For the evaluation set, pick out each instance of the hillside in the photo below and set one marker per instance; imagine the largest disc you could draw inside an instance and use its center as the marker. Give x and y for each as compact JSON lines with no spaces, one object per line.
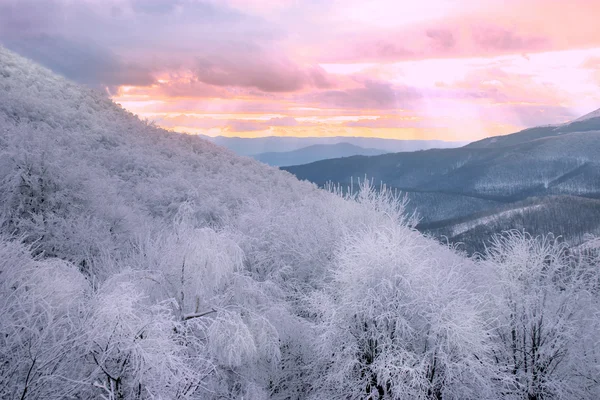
{"x":313,"y":153}
{"x":536,"y":215}
{"x":137,"y":263}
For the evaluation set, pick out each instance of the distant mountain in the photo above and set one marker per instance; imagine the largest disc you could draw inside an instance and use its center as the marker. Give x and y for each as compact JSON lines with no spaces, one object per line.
{"x":564,"y":164}
{"x":253,"y":146}
{"x":315,"y":152}
{"x":485,"y":176}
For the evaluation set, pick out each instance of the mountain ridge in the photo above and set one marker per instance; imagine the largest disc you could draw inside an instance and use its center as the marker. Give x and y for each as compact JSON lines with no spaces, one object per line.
{"x":315,"y":152}
{"x":542,"y":161}
{"x":253,"y":146}
{"x":586,"y":123}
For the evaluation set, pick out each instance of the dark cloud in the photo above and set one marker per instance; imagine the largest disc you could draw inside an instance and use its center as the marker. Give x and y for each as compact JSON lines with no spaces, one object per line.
{"x":82,"y":62}
{"x":106,"y":42}
{"x":266,"y":75}
{"x":443,"y":39}
{"x":192,"y":88}
{"x":383,"y":50}
{"x":319,"y":78}
{"x":374,"y":95}
{"x":248,"y":65}
{"x":161,"y":7}
{"x":499,"y":39}
{"x":28,"y":17}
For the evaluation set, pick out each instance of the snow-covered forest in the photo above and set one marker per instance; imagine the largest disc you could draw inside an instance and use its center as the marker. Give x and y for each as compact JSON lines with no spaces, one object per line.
{"x":138,"y":263}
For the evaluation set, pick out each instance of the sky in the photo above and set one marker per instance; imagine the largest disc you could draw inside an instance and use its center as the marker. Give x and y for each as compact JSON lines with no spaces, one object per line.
{"x":426,"y":69}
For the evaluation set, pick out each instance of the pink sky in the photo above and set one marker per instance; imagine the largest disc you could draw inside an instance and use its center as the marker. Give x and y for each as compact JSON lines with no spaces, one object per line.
{"x":427,"y":69}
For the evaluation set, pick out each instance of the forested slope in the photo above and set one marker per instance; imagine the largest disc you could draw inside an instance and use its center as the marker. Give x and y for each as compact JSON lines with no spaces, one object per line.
{"x":486,"y":176}
{"x":137,"y":263}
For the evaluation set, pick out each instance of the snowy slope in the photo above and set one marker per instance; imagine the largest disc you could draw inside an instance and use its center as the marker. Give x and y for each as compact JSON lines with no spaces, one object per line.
{"x":111,"y":162}
{"x":159,"y":265}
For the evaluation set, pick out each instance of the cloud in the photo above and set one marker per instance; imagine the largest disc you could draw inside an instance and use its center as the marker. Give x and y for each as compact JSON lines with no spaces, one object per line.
{"x":497,"y":85}
{"x":134,"y":37}
{"x":160,"y":7}
{"x":252,"y":66}
{"x":283,"y":121}
{"x":443,"y":39}
{"x":237,"y":125}
{"x":498,"y":39}
{"x":376,"y":95}
{"x":591,"y":63}
{"x":254,"y":125}
{"x":82,"y":62}
{"x":386,"y":122}
{"x":366,"y":49}
{"x":192,"y":88}
{"x":27,"y":17}
{"x":447,"y":39}
{"x":231,"y":125}
{"x":190,"y":122}
{"x":116,"y":42}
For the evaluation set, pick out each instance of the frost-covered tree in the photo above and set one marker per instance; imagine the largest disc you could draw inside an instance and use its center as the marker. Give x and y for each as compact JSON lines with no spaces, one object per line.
{"x":398,"y":319}
{"x":546,"y":318}
{"x":41,"y":335}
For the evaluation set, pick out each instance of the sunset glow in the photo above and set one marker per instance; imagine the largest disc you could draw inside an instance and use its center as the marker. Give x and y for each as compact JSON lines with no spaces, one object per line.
{"x":433,"y":69}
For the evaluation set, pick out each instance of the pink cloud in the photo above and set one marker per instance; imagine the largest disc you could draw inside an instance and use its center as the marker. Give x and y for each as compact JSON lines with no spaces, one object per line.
{"x":283,"y":121}
{"x":493,"y":28}
{"x":208,"y":106}
{"x":496,"y":85}
{"x":230,"y":125}
{"x":388,"y":122}
{"x":244,"y":126}
{"x":447,"y":40}
{"x":265,"y":70}
{"x":190,"y":122}
{"x":264,"y":58}
{"x":593,"y":65}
